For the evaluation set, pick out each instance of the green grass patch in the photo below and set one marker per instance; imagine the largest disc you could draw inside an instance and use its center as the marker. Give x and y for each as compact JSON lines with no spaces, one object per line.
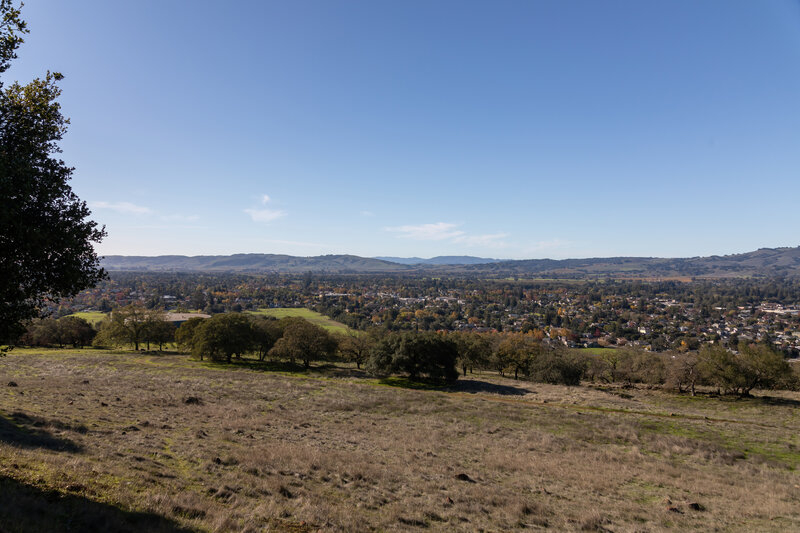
{"x":595,"y":351}
{"x":312,"y":316}
{"x":92,"y":317}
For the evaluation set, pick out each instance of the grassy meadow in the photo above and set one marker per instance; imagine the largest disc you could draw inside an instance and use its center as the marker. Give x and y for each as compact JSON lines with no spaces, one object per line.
{"x":595,"y":351}
{"x":312,"y":316}
{"x":101,"y":441}
{"x":92,"y":317}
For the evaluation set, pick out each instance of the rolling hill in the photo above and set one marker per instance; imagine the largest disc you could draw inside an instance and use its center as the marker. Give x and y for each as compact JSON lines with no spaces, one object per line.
{"x":441,"y":260}
{"x":762,"y":262}
{"x":250,"y":263}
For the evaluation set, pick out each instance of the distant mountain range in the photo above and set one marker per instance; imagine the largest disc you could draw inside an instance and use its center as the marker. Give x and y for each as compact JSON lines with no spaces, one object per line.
{"x":250,"y":263}
{"x":440,"y":260}
{"x":763,"y":262}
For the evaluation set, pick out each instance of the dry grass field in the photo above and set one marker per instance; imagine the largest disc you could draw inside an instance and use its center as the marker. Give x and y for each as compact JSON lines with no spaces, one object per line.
{"x":97,"y":441}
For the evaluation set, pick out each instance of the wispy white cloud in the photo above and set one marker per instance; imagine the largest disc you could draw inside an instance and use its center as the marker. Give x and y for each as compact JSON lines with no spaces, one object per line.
{"x":447,"y":231}
{"x":122,"y":207}
{"x":265,"y":215}
{"x":438,"y":231}
{"x":367,"y":214}
{"x":490,"y":240}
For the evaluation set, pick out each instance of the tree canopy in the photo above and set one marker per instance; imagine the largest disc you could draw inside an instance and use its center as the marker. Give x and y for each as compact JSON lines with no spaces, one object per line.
{"x":418,"y":354}
{"x":46,"y":238}
{"x":304,"y":341}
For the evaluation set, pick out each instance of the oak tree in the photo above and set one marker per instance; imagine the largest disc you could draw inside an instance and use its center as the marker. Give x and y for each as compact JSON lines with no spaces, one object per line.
{"x":304,"y":341}
{"x":46,"y":238}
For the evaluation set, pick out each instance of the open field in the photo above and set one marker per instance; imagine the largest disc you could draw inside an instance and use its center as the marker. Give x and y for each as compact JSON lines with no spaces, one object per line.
{"x":93,"y":440}
{"x":312,"y":316}
{"x":596,"y":351}
{"x":92,"y":317}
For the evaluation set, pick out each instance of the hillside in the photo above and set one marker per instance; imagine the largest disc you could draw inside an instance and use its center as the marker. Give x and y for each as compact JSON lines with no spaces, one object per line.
{"x":250,"y":263}
{"x":762,"y":262}
{"x":129,"y":442}
{"x":441,"y":260}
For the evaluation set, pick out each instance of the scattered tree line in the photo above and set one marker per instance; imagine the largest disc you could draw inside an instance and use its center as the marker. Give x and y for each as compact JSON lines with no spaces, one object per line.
{"x":417,"y":354}
{"x":132,"y":325}
{"x":440,"y":356}
{"x":752,"y":366}
{"x":232,"y":337}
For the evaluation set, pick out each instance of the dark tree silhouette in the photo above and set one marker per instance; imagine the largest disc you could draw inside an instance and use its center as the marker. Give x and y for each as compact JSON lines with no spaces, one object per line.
{"x":46,"y":238}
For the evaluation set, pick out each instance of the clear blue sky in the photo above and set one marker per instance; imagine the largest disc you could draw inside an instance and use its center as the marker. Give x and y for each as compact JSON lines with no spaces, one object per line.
{"x":513,"y":129}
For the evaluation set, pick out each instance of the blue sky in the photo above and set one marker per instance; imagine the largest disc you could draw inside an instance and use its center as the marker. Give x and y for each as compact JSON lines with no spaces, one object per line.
{"x":513,"y":129}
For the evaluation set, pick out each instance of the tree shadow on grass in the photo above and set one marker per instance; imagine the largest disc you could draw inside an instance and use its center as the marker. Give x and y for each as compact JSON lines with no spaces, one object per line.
{"x":326,"y":369}
{"x":475,"y":386}
{"x":25,"y":431}
{"x":407,"y":383}
{"x":28,"y":509}
{"x":765,"y":400}
{"x":472,"y":386}
{"x":261,"y":366}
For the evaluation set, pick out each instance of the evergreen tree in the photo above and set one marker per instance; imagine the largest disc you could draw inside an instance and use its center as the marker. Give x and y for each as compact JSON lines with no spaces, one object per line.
{"x":46,"y":238}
